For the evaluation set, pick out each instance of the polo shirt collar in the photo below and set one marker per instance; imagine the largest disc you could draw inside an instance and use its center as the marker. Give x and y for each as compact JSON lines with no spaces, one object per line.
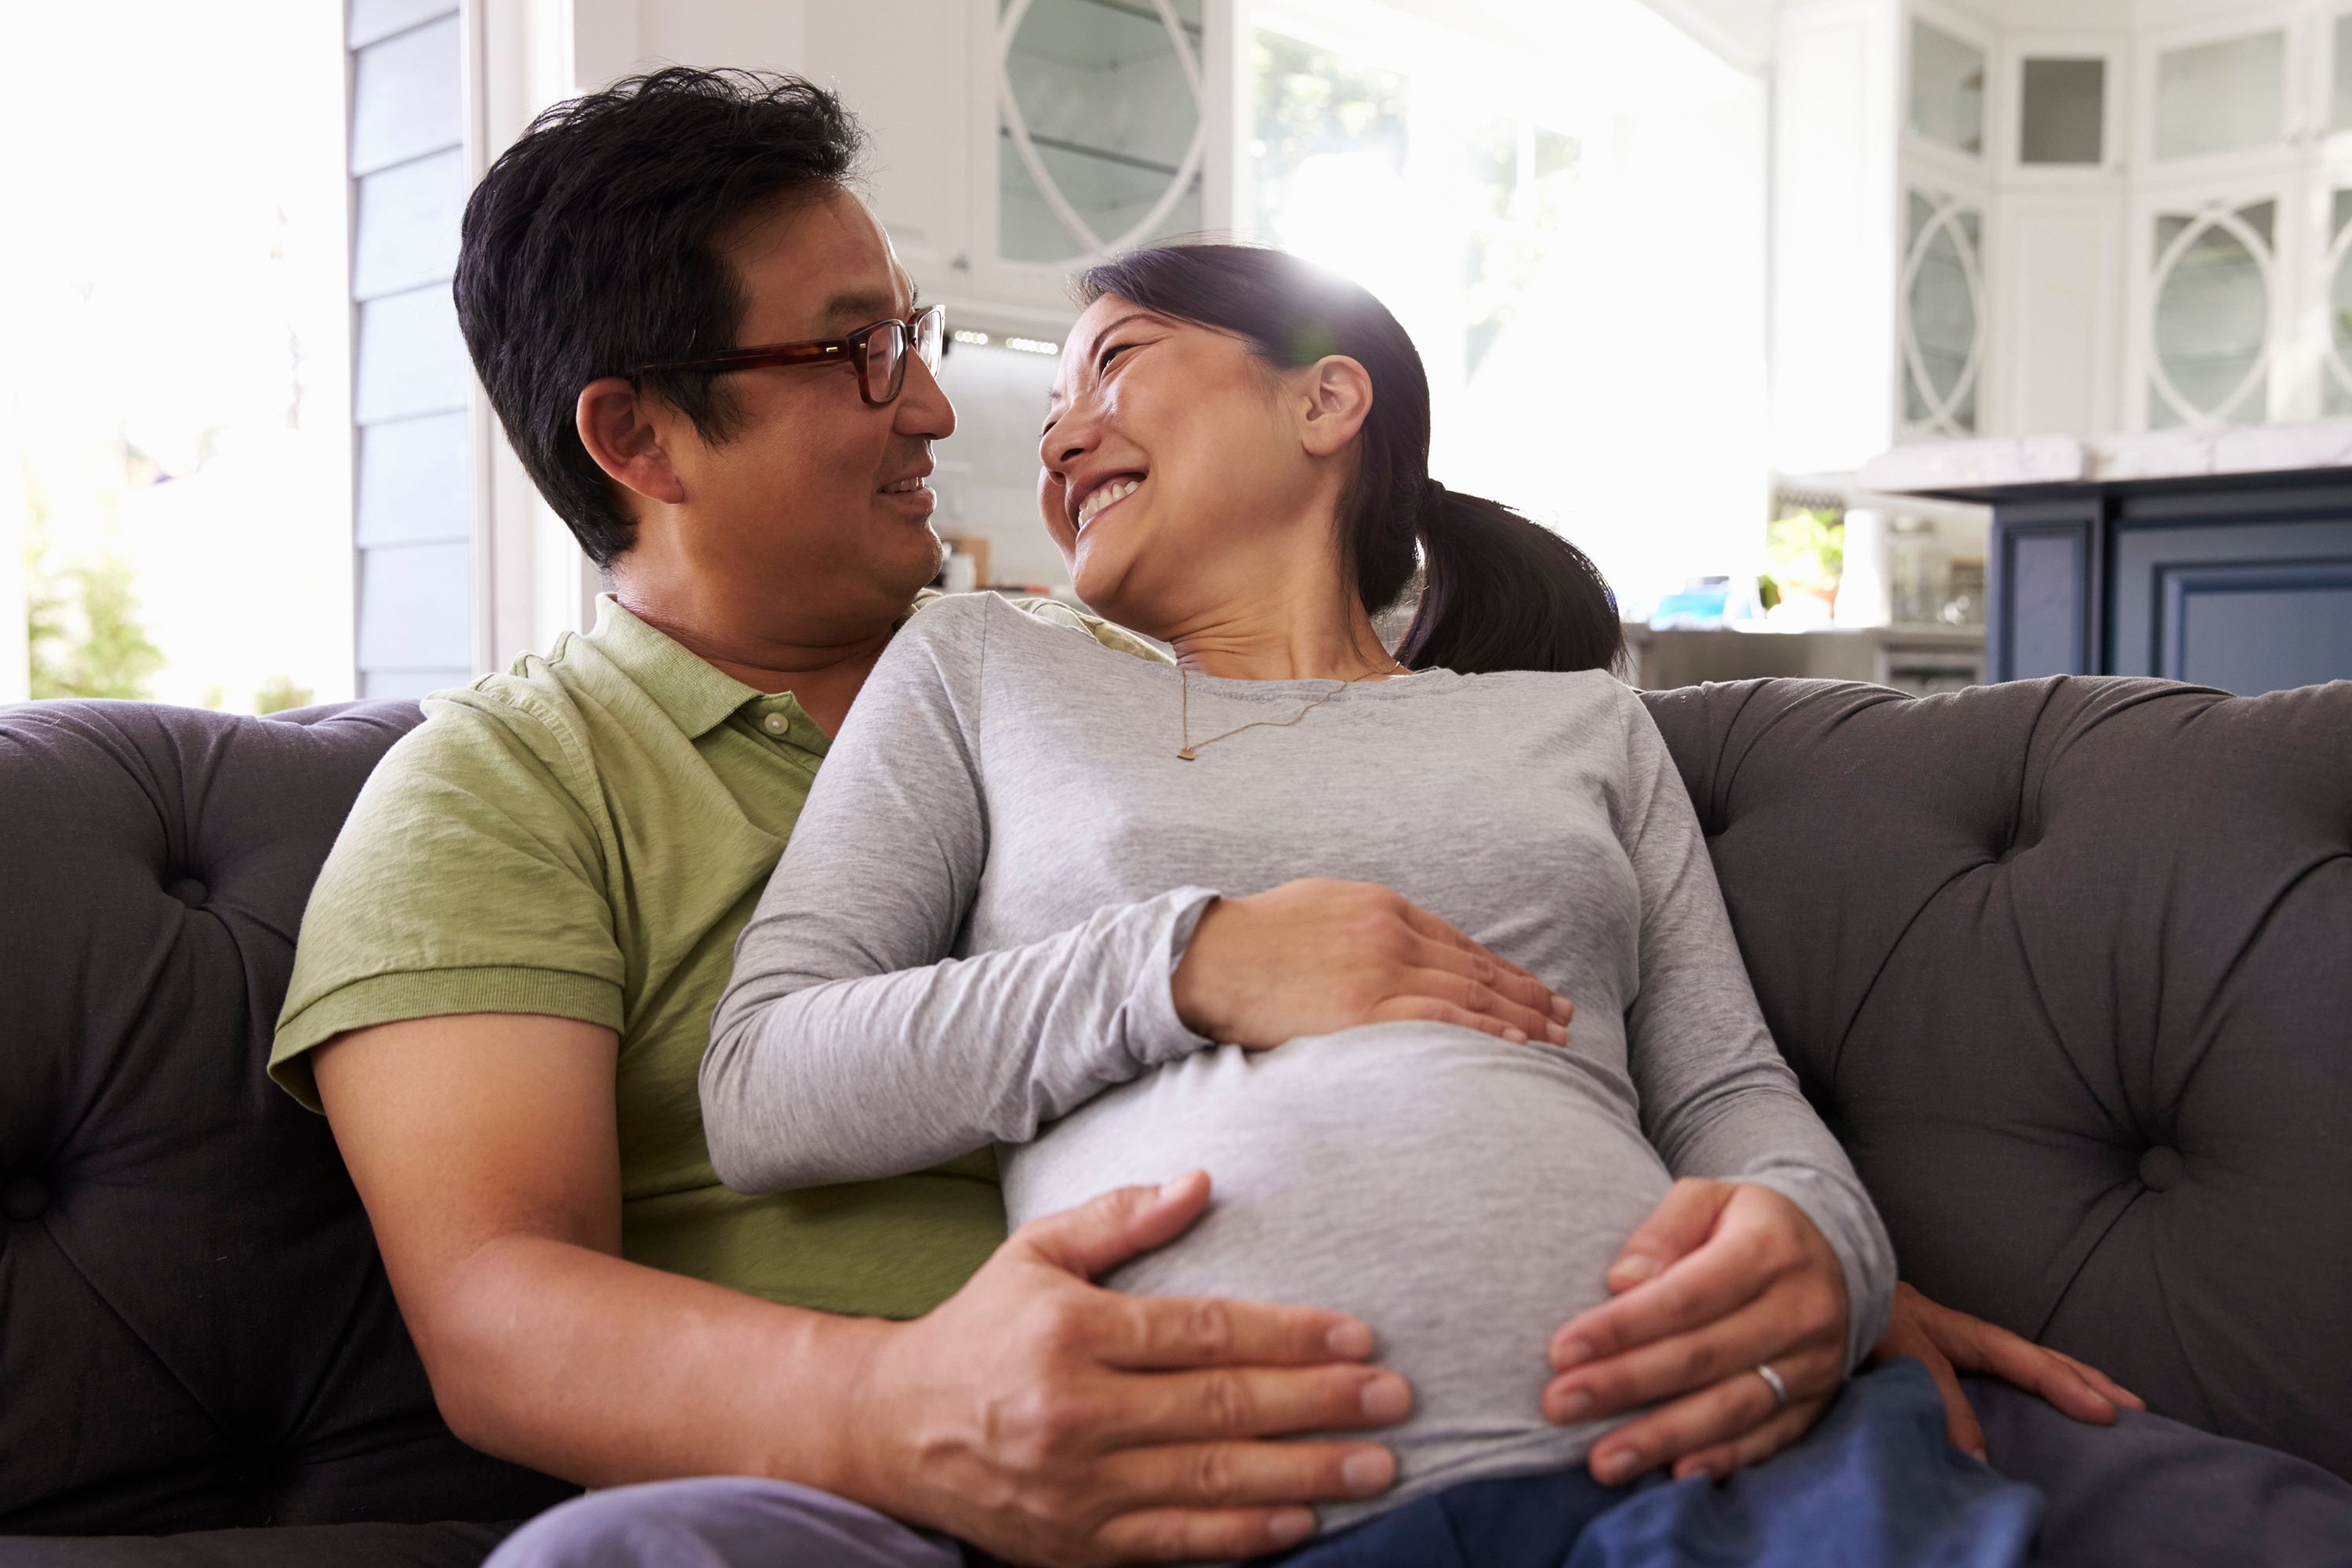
{"x":696,"y":696}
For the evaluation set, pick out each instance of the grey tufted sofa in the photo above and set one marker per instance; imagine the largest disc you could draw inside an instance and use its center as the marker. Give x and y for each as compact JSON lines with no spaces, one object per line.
{"x":2066,"y":963}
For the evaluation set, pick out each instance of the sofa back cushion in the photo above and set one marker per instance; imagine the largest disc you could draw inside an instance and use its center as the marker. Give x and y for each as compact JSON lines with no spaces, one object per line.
{"x":196,"y":1331}
{"x":2067,"y":964}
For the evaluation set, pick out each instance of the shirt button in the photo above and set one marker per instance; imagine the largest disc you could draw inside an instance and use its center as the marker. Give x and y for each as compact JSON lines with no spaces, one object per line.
{"x":777,"y":723}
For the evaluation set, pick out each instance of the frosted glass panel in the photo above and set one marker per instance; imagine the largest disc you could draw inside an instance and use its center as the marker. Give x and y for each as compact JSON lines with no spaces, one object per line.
{"x":2212,"y":323}
{"x":2339,"y":383}
{"x":2063,"y":116}
{"x":1947,"y":89}
{"x":2342,"y":118}
{"x":2220,"y":98}
{"x":1940,"y":317}
{"x":1110,"y":114}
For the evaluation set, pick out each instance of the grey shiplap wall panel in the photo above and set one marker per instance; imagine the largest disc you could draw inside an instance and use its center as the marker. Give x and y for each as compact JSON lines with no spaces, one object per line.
{"x":406,"y":93}
{"x":406,"y":231}
{"x":409,"y":619}
{"x":412,"y":360}
{"x":371,"y":20}
{"x":413,"y":513}
{"x":412,"y":481}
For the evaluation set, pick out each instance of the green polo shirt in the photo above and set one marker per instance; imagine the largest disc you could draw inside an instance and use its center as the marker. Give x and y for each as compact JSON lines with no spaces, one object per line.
{"x":583,"y":837}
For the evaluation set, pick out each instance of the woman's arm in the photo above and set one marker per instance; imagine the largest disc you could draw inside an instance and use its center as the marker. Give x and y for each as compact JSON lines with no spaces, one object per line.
{"x":1767,"y":1251}
{"x":848,"y":1046}
{"x":1718,"y":1101}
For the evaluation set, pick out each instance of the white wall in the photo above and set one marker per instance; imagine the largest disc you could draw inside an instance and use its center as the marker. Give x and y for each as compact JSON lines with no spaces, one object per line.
{"x":1834,"y":233}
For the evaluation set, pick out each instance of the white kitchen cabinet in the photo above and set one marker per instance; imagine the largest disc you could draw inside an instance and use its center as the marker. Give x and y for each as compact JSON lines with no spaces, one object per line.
{"x":1048,"y":133}
{"x":2135,"y":226}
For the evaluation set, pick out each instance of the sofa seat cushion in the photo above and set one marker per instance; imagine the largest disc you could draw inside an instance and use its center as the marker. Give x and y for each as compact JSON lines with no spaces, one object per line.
{"x":2067,"y":964}
{"x":196,"y":1331}
{"x":294,"y":1546}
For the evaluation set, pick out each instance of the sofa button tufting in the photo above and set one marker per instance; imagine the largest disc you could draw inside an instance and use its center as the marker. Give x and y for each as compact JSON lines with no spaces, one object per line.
{"x":25,"y":1198}
{"x":2160,"y":1168}
{"x":190,"y":891}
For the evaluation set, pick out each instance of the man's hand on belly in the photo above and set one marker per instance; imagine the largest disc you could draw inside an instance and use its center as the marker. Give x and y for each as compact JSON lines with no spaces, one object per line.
{"x":1315,"y":956}
{"x":1049,"y":1421}
{"x":1721,"y":1277}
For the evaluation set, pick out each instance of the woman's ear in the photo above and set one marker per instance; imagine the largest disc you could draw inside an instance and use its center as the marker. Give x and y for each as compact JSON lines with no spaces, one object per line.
{"x":618,"y":427}
{"x":1338,"y":399}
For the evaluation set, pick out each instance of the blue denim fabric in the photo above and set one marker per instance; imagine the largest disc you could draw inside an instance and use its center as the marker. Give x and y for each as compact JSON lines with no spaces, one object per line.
{"x":1872,"y":1484}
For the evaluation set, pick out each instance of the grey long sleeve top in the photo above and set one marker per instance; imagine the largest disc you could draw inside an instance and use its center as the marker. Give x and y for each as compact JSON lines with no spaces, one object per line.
{"x":971,"y":935}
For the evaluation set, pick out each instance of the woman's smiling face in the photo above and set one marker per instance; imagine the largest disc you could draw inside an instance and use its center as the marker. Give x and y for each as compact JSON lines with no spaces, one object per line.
{"x":1174,"y":473}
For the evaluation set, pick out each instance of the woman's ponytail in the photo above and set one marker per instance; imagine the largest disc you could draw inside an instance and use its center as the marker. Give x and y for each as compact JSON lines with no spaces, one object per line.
{"x":1499,"y":592}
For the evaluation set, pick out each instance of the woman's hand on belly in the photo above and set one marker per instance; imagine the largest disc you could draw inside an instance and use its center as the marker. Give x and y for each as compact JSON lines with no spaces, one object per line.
{"x":1316,"y":956}
{"x":1722,"y":1276}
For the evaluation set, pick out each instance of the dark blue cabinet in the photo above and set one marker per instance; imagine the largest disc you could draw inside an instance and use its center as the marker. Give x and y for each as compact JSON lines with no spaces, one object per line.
{"x":2243,"y":581}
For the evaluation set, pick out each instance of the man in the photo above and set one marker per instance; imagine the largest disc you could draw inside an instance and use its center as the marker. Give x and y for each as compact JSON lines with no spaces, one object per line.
{"x":505,"y":975}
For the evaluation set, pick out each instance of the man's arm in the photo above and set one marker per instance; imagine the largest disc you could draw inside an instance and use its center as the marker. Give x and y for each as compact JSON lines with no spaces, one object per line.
{"x":1034,"y":1414}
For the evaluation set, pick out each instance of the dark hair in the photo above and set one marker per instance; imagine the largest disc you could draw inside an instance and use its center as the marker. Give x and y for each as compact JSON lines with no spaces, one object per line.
{"x":591,"y":249}
{"x":1499,"y":592}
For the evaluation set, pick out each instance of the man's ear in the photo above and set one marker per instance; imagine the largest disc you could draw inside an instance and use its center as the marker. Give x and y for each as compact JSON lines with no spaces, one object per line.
{"x":617,"y":425}
{"x":1338,"y":394}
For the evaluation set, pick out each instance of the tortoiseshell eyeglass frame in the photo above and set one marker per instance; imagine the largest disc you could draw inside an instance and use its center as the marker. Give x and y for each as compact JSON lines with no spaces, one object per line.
{"x":925,"y":333}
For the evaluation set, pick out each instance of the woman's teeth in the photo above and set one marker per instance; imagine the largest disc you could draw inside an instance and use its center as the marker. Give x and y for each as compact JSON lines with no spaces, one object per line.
{"x":903,"y":485}
{"x":1118,"y":490}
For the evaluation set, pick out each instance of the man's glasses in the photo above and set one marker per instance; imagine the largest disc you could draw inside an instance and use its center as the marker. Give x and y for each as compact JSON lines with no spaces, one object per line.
{"x":879,"y":351}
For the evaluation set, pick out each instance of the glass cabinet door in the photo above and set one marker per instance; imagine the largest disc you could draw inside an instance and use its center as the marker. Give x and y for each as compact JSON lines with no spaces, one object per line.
{"x":1942,"y":306}
{"x":2210,"y":325}
{"x":2224,"y":97}
{"x":1948,"y":89}
{"x":1100,"y":130}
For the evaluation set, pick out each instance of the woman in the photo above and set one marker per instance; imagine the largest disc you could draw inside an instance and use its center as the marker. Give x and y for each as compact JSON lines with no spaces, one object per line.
{"x":991,"y":924}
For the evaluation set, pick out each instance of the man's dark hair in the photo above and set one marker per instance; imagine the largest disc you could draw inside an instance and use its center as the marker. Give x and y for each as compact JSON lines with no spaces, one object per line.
{"x":591,"y":249}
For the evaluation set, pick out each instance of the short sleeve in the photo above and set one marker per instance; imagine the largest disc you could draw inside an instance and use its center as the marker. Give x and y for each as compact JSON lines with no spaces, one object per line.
{"x":469,"y":878}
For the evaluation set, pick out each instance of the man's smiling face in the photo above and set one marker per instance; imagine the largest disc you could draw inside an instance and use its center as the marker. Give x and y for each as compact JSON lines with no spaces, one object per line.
{"x":814,"y":486}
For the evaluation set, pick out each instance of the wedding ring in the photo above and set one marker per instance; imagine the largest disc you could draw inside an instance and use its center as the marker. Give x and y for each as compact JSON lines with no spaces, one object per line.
{"x":1773,"y":1380}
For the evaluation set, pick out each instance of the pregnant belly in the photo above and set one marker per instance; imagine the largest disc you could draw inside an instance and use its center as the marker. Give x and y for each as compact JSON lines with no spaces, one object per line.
{"x":1462,"y":1194}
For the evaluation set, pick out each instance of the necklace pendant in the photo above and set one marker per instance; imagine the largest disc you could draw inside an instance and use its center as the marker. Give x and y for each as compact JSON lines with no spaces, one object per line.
{"x":1185,"y":755}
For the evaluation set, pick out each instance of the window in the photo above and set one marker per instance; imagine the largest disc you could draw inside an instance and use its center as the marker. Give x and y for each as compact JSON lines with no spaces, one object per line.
{"x":1577,"y":255}
{"x":1330,"y":151}
{"x":177,"y":516}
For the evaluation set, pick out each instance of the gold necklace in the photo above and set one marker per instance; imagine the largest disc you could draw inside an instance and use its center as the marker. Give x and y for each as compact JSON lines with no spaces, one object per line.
{"x":1185,"y":678}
